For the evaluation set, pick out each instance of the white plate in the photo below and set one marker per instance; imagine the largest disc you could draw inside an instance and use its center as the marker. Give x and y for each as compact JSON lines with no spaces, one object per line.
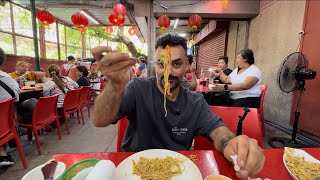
{"x":299,"y":152}
{"x":125,"y":168}
{"x":36,"y":173}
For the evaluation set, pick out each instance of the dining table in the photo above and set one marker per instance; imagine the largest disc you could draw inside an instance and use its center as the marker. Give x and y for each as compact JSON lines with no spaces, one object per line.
{"x":31,"y":90}
{"x":209,"y":162}
{"x":203,"y":159}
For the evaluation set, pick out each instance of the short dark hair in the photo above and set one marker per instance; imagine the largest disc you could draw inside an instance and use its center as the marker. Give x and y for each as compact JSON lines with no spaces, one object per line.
{"x":224,"y":58}
{"x":190,"y":59}
{"x":71,"y":58}
{"x":2,"y":56}
{"x":171,"y":40}
{"x":84,"y":70}
{"x":142,"y":59}
{"x":247,"y":54}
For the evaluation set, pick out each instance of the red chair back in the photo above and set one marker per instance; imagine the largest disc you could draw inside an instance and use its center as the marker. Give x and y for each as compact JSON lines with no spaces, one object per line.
{"x":122,"y":126}
{"x":263,"y":93}
{"x":230,"y":116}
{"x":103,"y":84}
{"x":84,"y":93}
{"x":71,"y":100}
{"x":46,"y":109}
{"x":6,"y":116}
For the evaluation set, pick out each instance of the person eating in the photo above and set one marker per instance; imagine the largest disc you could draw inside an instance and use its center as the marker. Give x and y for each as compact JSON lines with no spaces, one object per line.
{"x":161,"y":113}
{"x":244,"y":82}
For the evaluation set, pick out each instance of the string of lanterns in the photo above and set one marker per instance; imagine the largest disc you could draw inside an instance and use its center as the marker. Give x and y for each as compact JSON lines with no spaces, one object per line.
{"x":117,"y":18}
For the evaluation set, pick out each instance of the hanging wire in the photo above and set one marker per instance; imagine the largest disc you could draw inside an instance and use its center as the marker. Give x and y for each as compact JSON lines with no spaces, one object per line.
{"x":191,"y":4}
{"x":299,"y":36}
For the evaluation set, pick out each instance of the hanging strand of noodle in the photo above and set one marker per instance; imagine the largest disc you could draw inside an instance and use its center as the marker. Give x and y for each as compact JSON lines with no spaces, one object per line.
{"x":158,"y":168}
{"x":167,"y":66}
{"x":302,"y":169}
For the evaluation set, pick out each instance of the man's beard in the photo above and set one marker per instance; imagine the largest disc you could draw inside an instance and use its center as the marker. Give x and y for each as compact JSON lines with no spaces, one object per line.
{"x":174,"y":84}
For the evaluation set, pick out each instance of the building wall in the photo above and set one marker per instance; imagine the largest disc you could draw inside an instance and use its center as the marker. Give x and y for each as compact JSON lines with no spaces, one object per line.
{"x":11,"y":60}
{"x":273,"y":35}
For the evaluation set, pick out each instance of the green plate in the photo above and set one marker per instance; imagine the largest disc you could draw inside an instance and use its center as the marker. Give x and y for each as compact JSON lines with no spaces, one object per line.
{"x":79,"y":166}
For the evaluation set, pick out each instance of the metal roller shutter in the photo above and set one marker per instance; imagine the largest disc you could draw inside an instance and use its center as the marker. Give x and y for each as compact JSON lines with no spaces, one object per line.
{"x":210,"y":50}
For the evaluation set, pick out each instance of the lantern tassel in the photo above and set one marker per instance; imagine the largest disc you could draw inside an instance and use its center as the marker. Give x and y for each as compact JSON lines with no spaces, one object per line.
{"x":224,"y":3}
{"x":163,"y":29}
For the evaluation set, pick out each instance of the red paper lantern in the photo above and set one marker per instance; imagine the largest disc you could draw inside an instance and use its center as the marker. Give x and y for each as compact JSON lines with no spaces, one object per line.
{"x":163,"y":22}
{"x":195,"y":21}
{"x":80,"y":21}
{"x":109,"y":29}
{"x":120,"y":11}
{"x":45,"y":17}
{"x":132,"y":31}
{"x":114,"y":20}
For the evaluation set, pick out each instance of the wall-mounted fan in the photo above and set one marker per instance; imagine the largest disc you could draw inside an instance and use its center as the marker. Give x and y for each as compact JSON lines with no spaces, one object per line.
{"x":291,"y":76}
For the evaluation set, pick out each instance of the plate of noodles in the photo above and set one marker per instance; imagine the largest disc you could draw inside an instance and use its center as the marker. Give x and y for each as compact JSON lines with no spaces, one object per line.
{"x":301,"y":165}
{"x":159,"y":164}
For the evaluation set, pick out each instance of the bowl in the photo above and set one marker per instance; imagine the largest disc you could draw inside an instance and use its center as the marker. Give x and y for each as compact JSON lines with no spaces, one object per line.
{"x":36,"y":173}
{"x":79,"y":166}
{"x":217,"y":177}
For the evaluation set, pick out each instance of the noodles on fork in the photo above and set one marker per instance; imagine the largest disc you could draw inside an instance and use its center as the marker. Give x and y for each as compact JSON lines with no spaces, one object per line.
{"x":158,"y":168}
{"x":167,"y":66}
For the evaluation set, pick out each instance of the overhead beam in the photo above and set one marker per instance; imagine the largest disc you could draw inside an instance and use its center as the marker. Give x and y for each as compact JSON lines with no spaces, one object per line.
{"x":142,"y":24}
{"x":211,"y":9}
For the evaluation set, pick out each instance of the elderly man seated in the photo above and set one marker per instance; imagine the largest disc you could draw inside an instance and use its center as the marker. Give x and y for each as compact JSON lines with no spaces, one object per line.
{"x":22,"y":72}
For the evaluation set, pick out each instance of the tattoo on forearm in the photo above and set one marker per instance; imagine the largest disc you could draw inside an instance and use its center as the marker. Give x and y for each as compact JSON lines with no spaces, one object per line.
{"x":222,"y":136}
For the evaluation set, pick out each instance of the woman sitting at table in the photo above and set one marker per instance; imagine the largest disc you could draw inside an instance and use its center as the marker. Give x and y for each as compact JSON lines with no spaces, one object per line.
{"x":82,"y":75}
{"x":244,"y":82}
{"x":223,"y":65}
{"x":58,"y":84}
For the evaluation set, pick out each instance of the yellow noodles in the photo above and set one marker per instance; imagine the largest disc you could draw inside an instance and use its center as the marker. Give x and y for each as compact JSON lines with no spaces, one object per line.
{"x":303,"y":170}
{"x":158,"y":169}
{"x":167,"y":66}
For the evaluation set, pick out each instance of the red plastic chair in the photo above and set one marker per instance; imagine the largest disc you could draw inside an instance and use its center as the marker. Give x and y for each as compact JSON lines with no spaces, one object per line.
{"x":263,"y":93}
{"x":43,"y":115}
{"x":7,"y":129}
{"x":103,"y":85}
{"x":84,"y":99}
{"x":230,"y":116}
{"x":71,"y":104}
{"x":122,"y":126}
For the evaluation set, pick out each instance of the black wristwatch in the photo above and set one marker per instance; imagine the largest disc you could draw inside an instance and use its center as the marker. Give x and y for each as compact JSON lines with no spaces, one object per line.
{"x":226,"y":87}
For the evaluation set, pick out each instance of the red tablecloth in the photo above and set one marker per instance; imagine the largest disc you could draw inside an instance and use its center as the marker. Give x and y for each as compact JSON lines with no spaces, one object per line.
{"x":205,"y":159}
{"x":273,"y":169}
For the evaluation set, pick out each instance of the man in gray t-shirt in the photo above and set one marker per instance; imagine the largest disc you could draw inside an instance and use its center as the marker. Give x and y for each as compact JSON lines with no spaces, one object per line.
{"x":171,"y":125}
{"x":148,"y":128}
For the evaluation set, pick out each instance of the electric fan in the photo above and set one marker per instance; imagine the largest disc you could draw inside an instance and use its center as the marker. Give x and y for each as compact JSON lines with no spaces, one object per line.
{"x":292,"y":75}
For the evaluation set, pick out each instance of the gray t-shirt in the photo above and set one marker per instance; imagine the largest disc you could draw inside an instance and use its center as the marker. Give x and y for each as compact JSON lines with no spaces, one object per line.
{"x":12,"y":84}
{"x":148,"y":127}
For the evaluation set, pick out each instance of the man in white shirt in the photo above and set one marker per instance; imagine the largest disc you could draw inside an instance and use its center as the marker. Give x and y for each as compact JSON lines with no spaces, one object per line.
{"x":5,"y":158}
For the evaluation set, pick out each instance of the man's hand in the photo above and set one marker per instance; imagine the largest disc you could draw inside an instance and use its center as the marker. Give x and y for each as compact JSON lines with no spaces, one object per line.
{"x":250,"y":156}
{"x":114,"y":65}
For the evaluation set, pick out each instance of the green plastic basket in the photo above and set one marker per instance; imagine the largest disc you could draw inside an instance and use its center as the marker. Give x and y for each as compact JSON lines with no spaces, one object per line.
{"x":79,"y":166}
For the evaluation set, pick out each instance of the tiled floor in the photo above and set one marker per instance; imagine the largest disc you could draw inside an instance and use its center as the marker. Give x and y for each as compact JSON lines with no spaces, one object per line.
{"x":82,"y":139}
